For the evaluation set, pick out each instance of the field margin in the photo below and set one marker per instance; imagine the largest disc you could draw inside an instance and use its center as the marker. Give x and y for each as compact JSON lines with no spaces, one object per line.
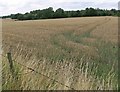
{"x":0,"y":55}
{"x":119,"y":48}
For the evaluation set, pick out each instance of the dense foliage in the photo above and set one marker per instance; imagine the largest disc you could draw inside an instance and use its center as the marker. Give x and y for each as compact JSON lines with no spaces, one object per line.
{"x":49,"y":13}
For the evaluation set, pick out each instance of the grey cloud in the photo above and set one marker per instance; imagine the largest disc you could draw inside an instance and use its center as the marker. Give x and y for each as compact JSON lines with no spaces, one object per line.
{"x":108,"y":5}
{"x":119,"y":5}
{"x":3,"y":9}
{"x":2,"y":5}
{"x":33,"y":6}
{"x":83,"y":5}
{"x":76,"y":5}
{"x":41,"y":4}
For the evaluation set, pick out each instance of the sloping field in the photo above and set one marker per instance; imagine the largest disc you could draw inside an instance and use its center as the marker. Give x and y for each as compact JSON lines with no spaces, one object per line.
{"x":72,"y":53}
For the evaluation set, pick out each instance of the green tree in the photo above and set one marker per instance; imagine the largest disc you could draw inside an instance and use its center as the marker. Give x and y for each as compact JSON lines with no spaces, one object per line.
{"x":60,"y":13}
{"x":91,"y":12}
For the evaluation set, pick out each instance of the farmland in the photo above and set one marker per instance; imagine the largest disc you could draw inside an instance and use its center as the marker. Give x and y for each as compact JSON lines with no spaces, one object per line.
{"x":80,"y":53}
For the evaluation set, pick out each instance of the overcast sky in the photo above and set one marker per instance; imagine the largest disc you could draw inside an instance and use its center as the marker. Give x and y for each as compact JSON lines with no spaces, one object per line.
{"x":22,"y":6}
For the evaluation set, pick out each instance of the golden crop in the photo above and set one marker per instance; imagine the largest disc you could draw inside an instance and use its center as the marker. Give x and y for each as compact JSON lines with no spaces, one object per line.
{"x":78,"y":52}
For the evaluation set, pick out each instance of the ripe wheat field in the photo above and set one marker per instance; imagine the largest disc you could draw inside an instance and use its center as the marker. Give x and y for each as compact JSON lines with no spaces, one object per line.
{"x":79,"y":53}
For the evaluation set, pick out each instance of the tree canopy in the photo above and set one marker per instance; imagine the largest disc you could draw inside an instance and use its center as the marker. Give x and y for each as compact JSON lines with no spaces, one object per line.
{"x":49,"y":13}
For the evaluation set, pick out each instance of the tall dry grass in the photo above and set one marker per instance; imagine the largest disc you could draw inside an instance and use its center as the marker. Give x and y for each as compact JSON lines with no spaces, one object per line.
{"x":79,"y":52}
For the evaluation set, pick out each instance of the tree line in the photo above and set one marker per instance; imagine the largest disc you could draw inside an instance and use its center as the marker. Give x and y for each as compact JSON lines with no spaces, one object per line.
{"x":49,"y":13}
